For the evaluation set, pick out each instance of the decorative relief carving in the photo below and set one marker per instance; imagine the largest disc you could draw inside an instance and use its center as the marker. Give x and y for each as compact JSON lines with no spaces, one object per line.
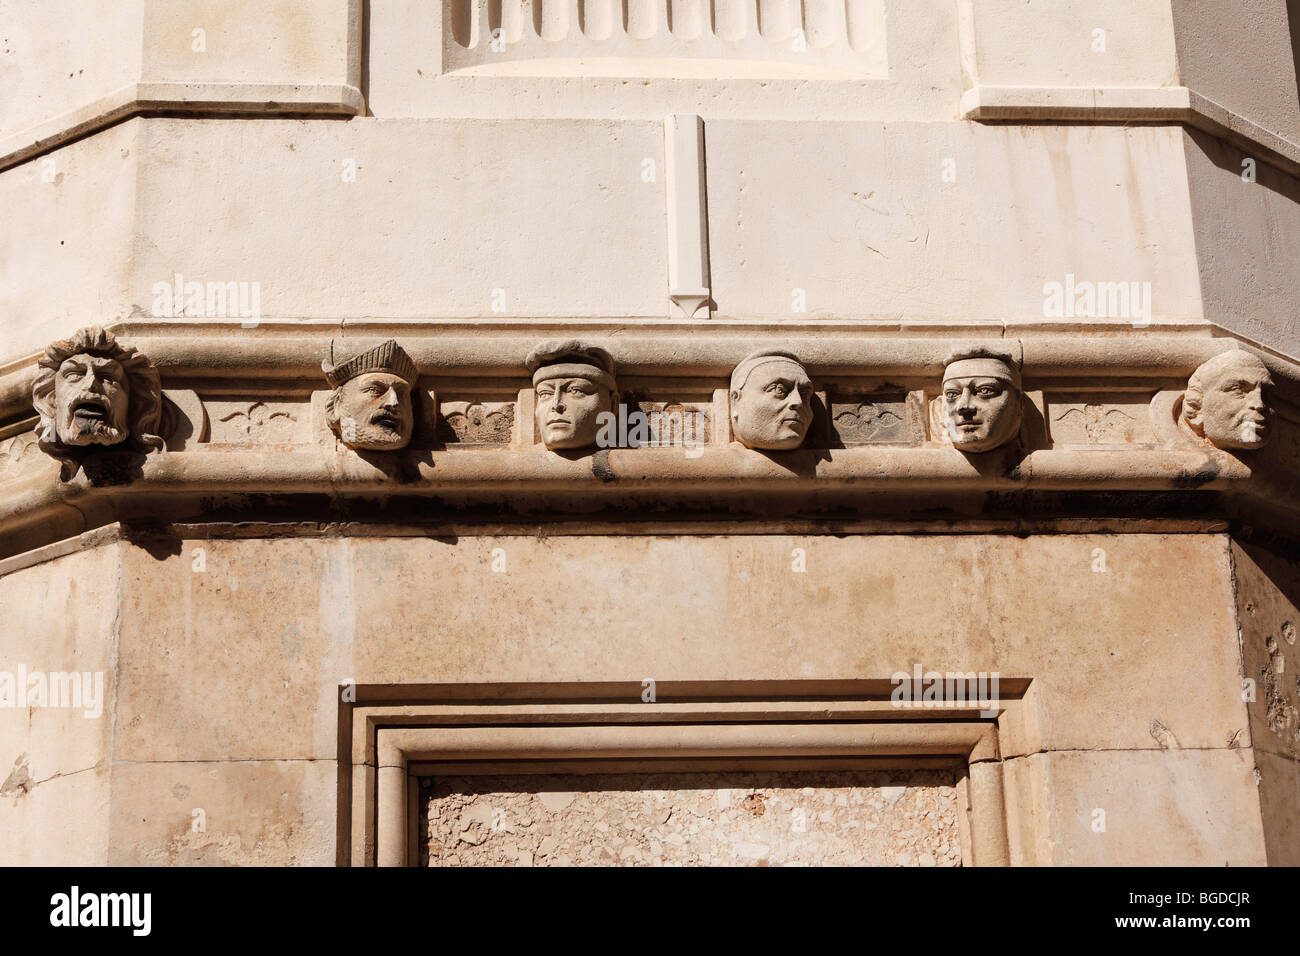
{"x":17,"y":453}
{"x":575,"y":388}
{"x":674,"y":424}
{"x":372,"y":407}
{"x":982,"y":401}
{"x":771,"y":401}
{"x":735,"y":37}
{"x":256,"y":423}
{"x":874,"y":419}
{"x":1226,"y":402}
{"x":1099,"y":418}
{"x":667,"y":424}
{"x":477,"y":423}
{"x":92,"y":393}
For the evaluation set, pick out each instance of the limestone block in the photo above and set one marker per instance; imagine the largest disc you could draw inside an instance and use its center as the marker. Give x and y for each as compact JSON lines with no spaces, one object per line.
{"x":1261,"y":87}
{"x":1100,"y":645}
{"x":1056,"y":44}
{"x":61,"y":631}
{"x":1190,"y":808}
{"x":71,"y":258}
{"x":232,"y":649}
{"x":852,"y":233}
{"x":1268,"y":609}
{"x":227,"y":813}
{"x":63,"y":821}
{"x":1244,"y":283}
{"x":182,"y":55}
{"x":458,"y":218}
{"x":1279,"y":795}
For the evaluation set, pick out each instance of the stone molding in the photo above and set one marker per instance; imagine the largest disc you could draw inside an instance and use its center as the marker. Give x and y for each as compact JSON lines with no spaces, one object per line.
{"x":393,"y":735}
{"x":1138,"y":104}
{"x":1101,"y":418}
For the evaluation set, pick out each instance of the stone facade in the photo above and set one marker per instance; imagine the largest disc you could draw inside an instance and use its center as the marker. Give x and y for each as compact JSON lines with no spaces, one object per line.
{"x":415,"y":410}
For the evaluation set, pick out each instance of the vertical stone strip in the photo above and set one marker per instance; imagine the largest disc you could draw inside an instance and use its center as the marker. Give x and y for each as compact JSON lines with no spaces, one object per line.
{"x":688,"y":228}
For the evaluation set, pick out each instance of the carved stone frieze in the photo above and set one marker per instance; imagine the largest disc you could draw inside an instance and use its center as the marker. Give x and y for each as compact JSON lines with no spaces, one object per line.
{"x":875,"y":418}
{"x":477,"y":423}
{"x":256,"y":423}
{"x":1099,"y":418}
{"x":17,"y":453}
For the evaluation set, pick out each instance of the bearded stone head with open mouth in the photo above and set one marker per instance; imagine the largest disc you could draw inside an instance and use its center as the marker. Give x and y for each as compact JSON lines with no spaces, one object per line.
{"x":372,"y":407}
{"x":91,"y":391}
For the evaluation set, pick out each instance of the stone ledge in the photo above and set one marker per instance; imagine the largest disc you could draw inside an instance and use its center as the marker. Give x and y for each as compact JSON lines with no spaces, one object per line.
{"x":292,"y":351}
{"x":1131,"y":104}
{"x":263,"y":99}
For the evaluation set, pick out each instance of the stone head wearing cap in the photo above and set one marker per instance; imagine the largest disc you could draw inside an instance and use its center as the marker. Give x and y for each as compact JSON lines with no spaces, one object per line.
{"x":982,"y":399}
{"x":372,"y":408}
{"x":1226,"y":401}
{"x":574,"y":384}
{"x":771,"y":401}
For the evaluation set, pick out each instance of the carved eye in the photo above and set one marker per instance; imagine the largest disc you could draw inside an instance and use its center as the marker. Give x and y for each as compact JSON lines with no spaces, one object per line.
{"x":545,"y":392}
{"x":989,"y":391}
{"x":952,"y":395}
{"x":778,"y":389}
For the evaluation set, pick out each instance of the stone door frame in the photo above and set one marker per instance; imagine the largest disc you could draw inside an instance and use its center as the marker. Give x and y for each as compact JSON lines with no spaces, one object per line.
{"x":392,"y":735}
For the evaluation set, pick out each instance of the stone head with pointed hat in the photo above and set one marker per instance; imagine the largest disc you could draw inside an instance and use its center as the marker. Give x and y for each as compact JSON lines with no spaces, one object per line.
{"x":372,"y":407}
{"x":983,"y":404}
{"x":574,"y":384}
{"x":771,"y":401}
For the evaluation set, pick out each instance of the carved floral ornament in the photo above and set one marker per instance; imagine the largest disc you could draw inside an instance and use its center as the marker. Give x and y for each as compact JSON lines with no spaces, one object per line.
{"x":95,"y":397}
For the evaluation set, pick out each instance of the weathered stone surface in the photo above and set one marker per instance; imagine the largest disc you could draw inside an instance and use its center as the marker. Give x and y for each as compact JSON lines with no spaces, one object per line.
{"x":693,"y":819}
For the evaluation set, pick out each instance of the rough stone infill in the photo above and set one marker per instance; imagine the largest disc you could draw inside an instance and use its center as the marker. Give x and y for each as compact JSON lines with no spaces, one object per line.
{"x":796,"y":818}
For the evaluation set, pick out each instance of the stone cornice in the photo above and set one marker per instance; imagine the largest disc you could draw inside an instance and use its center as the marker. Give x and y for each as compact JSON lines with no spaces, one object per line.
{"x":292,"y":351}
{"x":247,"y":435}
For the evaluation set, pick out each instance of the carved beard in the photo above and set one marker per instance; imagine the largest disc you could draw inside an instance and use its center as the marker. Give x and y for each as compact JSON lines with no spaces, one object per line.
{"x":381,"y":431}
{"x":85,"y":418}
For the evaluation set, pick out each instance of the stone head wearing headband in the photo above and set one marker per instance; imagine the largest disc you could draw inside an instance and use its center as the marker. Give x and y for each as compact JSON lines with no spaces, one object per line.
{"x":771,"y":401}
{"x":982,"y":399}
{"x":574,"y":384}
{"x":372,"y":407}
{"x":1226,"y":401}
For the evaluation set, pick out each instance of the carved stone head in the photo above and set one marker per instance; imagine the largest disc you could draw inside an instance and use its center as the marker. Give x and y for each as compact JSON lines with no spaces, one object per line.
{"x":982,"y":400}
{"x":574,"y":384}
{"x":372,"y":407}
{"x":771,"y":401}
{"x":1226,"y":401}
{"x":92,"y":391}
